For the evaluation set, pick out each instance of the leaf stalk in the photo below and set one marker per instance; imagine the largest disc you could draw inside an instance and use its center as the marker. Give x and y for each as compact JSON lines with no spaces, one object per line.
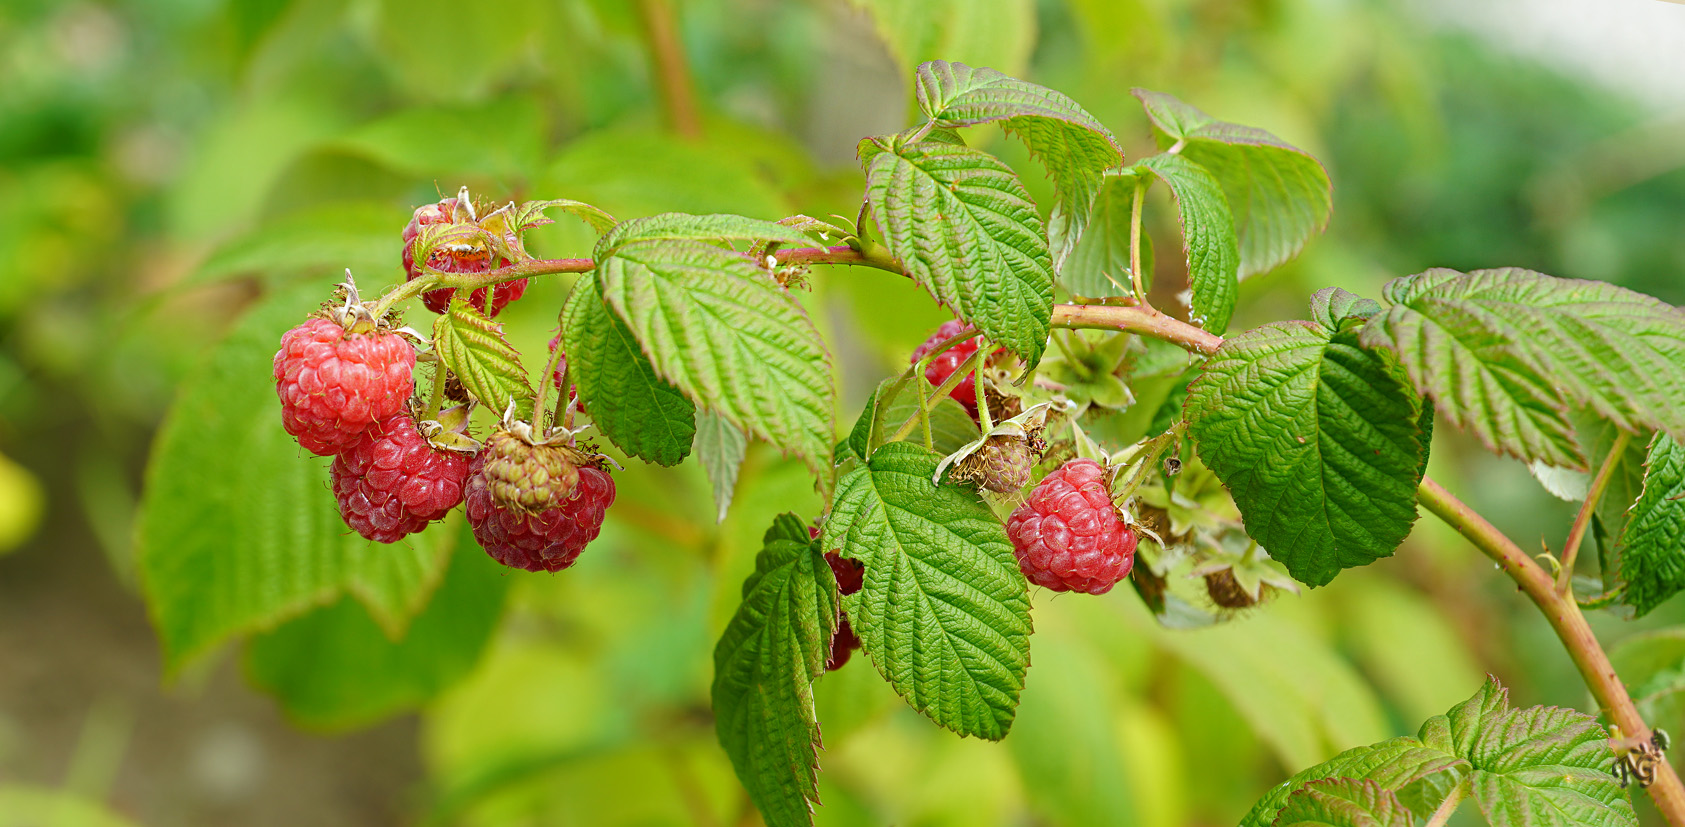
{"x":1582,"y":521}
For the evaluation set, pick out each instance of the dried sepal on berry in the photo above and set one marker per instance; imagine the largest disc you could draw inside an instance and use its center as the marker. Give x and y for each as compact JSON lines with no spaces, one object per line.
{"x":1003,"y":459}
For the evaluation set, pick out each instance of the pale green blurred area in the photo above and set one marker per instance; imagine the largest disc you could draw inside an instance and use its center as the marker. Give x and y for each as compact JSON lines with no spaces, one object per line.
{"x":164,"y":163}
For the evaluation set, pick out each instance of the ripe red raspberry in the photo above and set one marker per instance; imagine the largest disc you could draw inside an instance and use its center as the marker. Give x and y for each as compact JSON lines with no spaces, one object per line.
{"x":392,"y":482}
{"x":1068,"y":535}
{"x":334,"y":383}
{"x":549,"y":540}
{"x":473,"y":260}
{"x":944,"y":365}
{"x":851,"y":575}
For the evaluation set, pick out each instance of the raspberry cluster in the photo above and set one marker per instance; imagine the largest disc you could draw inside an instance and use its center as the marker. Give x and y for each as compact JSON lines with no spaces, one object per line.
{"x":1068,"y":536}
{"x":471,"y":257}
{"x":346,"y":382}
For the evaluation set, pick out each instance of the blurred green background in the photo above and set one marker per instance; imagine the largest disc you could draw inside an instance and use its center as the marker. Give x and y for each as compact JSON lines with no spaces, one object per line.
{"x":165,"y":165}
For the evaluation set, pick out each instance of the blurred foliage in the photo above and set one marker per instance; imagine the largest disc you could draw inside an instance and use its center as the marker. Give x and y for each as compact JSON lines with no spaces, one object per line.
{"x":164,"y":163}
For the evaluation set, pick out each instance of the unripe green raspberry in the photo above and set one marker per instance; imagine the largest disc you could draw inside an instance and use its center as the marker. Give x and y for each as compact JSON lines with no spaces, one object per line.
{"x":1002,"y":465}
{"x":529,"y":478}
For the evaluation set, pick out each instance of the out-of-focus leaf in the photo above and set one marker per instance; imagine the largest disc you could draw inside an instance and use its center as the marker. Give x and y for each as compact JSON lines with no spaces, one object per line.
{"x":633,"y":173}
{"x":1072,"y":768}
{"x":996,"y":33}
{"x":439,"y":50}
{"x":23,"y":806}
{"x":21,"y":502}
{"x":238,"y":530}
{"x":360,"y":237}
{"x":502,"y":138}
{"x":335,"y":668}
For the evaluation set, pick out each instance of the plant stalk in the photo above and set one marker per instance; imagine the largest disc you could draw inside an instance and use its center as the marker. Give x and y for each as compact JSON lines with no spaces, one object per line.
{"x":671,"y":70}
{"x":1442,"y":815}
{"x":1582,"y":521}
{"x":1564,"y":616}
{"x":1135,"y":243}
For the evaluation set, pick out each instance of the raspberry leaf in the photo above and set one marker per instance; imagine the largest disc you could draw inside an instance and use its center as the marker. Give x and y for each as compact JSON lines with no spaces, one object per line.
{"x":1098,"y":266}
{"x":357,"y":236}
{"x":964,"y":227}
{"x":1208,"y":239}
{"x":1279,"y":194}
{"x":1318,"y":441}
{"x":531,"y":214}
{"x":720,"y":329}
{"x":1506,"y":352}
{"x":336,"y":668}
{"x":1540,"y":765}
{"x":472,"y":346}
{"x":236,"y":533}
{"x":711,"y":228}
{"x":1074,"y":146}
{"x":1652,"y":558}
{"x":637,"y":411}
{"x":764,"y":666}
{"x":944,"y":612}
{"x":1418,"y":776}
{"x":720,"y":447}
{"x":1344,"y":802}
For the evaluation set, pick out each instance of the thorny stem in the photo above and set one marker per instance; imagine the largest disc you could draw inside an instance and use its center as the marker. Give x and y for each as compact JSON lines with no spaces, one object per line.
{"x":1564,"y":616}
{"x":1582,"y":521}
{"x":1135,"y":244}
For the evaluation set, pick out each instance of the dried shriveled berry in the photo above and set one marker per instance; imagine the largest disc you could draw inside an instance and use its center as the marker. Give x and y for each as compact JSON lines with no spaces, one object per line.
{"x":334,"y":383}
{"x":459,"y":258}
{"x":1068,"y":536}
{"x":391,"y":482}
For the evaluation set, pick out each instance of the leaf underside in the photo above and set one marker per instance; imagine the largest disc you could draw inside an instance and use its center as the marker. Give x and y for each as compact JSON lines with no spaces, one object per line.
{"x":1506,"y":353}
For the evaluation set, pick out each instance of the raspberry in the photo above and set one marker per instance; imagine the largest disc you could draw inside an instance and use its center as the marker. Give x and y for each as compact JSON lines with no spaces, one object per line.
{"x":472,"y":260}
{"x":944,"y":366}
{"x":392,"y":482}
{"x":547,"y":541}
{"x":1002,"y":465}
{"x":851,"y":575}
{"x":527,"y":478}
{"x":1068,"y":535}
{"x":334,"y":383}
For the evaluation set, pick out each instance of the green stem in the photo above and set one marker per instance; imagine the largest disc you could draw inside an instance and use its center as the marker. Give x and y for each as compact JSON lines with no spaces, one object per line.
{"x":1582,"y":521}
{"x":947,"y":387}
{"x":544,"y":388}
{"x":1442,"y":815}
{"x":437,"y":399}
{"x":1135,"y":244}
{"x":1571,"y":628}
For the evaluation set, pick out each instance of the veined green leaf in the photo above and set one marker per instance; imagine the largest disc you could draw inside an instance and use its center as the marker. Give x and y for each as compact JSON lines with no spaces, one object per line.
{"x":964,"y":227}
{"x":1505,"y":352}
{"x":643,"y":415}
{"x":676,"y":225}
{"x":764,"y":667}
{"x":1420,"y":777}
{"x":1653,"y":544}
{"x":237,"y":531}
{"x":531,"y":214}
{"x":1098,"y":266}
{"x":1331,"y":307}
{"x":1074,"y":146}
{"x":720,"y":447}
{"x":1344,"y":802}
{"x":944,"y":612}
{"x":720,"y":329}
{"x":1208,"y":239}
{"x":1279,"y":195}
{"x":1540,"y":765}
{"x":1317,"y":439}
{"x":472,"y":347}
